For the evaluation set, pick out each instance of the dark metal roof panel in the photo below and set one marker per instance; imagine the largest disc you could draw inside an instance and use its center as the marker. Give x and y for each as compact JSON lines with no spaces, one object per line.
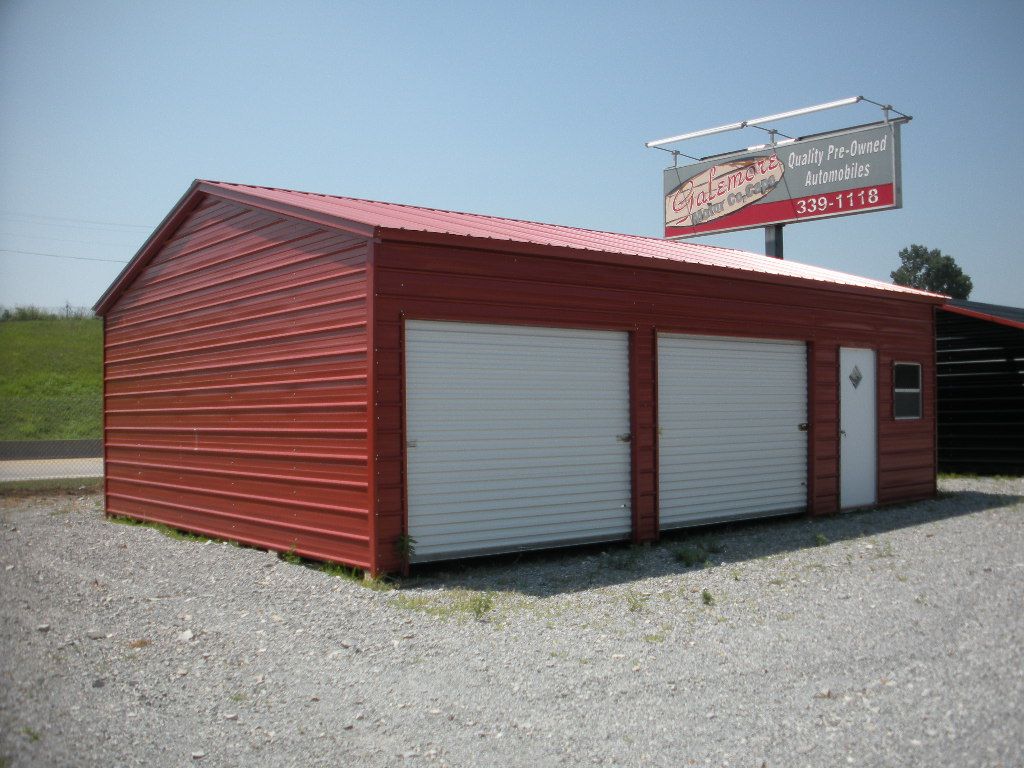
{"x":996,"y":313}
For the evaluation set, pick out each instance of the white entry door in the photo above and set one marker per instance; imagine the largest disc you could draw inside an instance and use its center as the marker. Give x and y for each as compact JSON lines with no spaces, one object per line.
{"x":858,"y":416}
{"x":518,"y":437}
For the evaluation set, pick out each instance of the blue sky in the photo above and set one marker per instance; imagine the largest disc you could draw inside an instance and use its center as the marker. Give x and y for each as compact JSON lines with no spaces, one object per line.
{"x":527,"y":110}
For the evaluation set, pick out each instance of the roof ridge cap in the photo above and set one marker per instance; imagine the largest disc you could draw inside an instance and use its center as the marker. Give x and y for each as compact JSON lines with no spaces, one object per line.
{"x":494,"y":217}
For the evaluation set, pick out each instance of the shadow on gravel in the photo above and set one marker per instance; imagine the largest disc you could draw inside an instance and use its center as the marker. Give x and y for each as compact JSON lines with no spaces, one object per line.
{"x":553,"y":572}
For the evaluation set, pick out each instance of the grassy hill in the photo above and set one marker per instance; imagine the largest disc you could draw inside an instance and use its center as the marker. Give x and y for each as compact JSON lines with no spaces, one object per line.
{"x":51,"y":379}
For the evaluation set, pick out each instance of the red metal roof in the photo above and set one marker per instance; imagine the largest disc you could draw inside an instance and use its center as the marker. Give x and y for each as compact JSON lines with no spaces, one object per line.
{"x":392,"y":216}
{"x":377,"y":219}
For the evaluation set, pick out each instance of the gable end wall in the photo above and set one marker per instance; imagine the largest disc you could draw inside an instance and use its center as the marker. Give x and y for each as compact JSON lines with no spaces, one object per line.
{"x":235,"y":373}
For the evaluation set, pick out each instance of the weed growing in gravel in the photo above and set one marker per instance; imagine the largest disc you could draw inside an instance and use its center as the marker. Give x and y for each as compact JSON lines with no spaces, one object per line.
{"x":290,"y":556}
{"x":479,"y":604}
{"x":697,"y":551}
{"x":624,"y":559}
{"x":635,"y":602}
{"x":711,"y":545}
{"x":33,"y":735}
{"x":885,"y":550}
{"x":707,"y":598}
{"x":405,"y":546}
{"x":689,"y":555}
{"x":659,"y":637}
{"x":238,"y":698}
{"x":820,"y":540}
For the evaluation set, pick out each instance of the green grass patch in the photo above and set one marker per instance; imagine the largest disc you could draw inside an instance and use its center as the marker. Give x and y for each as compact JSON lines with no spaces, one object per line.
{"x":52,"y":381}
{"x":357,"y":576}
{"x":458,"y":603}
{"x":707,"y":598}
{"x":166,"y":530}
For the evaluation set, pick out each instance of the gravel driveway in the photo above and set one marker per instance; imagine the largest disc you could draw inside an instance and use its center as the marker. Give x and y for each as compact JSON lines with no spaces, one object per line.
{"x":888,"y":637}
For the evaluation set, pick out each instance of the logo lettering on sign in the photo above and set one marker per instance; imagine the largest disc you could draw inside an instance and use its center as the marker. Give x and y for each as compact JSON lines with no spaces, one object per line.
{"x":722,"y":189}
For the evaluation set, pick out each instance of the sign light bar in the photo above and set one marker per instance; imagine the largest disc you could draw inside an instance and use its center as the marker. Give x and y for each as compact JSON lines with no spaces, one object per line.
{"x":756,"y":121}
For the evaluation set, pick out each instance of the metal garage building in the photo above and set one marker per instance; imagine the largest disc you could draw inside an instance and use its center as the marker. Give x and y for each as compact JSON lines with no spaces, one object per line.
{"x":331,"y":375}
{"x":980,"y":373}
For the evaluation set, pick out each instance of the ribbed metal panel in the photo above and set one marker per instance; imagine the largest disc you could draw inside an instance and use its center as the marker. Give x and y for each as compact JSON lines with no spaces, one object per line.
{"x":980,"y":392}
{"x":729,"y":416}
{"x":517,"y":437}
{"x":236,"y":385}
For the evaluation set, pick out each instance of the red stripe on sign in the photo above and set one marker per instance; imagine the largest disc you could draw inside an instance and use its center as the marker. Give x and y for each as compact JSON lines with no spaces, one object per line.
{"x":796,"y":209}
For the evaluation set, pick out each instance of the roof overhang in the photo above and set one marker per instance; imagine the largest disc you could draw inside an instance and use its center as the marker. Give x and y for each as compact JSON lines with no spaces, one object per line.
{"x":982,"y":316}
{"x":188,"y":202}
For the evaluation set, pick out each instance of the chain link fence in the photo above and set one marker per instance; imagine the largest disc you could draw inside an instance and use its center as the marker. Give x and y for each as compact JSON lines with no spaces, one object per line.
{"x":51,"y":438}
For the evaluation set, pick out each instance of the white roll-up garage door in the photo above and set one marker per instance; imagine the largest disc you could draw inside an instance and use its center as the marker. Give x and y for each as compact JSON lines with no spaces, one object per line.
{"x":731,"y":417}
{"x":517,"y":437}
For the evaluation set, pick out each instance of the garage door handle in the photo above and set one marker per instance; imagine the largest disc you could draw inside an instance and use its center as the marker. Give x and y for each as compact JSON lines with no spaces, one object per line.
{"x":803,"y":427}
{"x":625,"y":438}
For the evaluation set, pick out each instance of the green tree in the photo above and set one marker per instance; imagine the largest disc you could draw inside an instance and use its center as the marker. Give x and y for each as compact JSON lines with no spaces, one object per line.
{"x":929,"y":270}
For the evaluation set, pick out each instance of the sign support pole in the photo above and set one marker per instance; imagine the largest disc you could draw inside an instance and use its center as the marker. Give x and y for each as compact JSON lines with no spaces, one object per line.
{"x":773,"y":241}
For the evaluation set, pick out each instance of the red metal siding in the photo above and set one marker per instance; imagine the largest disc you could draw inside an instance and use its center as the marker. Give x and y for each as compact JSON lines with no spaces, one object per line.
{"x":433,"y":282}
{"x":236,"y":384}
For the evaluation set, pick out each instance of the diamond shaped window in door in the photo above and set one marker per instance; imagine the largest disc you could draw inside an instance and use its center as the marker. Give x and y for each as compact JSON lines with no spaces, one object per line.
{"x":856,"y":377}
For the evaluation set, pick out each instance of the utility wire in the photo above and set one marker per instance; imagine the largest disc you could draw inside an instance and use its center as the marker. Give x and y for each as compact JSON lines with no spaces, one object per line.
{"x":77,"y":221}
{"x":60,"y":256}
{"x":63,"y":240}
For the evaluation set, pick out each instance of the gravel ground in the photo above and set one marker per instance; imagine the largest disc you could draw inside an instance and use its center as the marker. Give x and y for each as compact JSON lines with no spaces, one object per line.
{"x":889,"y":637}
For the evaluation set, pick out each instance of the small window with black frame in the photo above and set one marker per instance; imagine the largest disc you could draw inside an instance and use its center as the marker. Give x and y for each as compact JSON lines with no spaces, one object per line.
{"x":906,"y":390}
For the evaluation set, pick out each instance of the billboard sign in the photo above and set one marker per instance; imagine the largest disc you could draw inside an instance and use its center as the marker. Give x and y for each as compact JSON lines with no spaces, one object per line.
{"x":854,"y":170}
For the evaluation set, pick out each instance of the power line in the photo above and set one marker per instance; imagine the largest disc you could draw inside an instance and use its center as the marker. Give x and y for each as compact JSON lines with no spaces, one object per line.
{"x":77,"y":221}
{"x":63,"y":240}
{"x":60,"y":256}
